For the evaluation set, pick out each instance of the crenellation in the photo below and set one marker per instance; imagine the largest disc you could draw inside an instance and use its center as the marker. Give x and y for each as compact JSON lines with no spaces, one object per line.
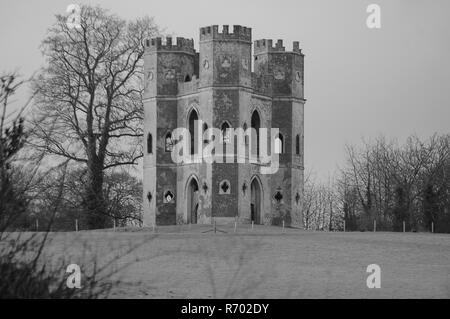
{"x":185,"y":88}
{"x":166,"y":44}
{"x":266,"y":45}
{"x":240,"y":33}
{"x":279,"y":45}
{"x":225,"y":29}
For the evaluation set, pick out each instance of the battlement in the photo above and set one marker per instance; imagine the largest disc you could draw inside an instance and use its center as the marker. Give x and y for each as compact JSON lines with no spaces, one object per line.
{"x":266,"y":45}
{"x":188,"y":87}
{"x":160,"y":44}
{"x":239,"y":33}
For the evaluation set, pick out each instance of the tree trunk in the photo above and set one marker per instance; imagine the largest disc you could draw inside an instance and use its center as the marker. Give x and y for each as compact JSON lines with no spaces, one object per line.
{"x":95,"y":204}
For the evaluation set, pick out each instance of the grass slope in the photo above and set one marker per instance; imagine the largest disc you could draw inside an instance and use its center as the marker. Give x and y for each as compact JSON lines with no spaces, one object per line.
{"x":184,"y":262}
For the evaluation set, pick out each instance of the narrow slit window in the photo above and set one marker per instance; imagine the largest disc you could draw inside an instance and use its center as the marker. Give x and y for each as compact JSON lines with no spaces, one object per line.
{"x":149,"y":144}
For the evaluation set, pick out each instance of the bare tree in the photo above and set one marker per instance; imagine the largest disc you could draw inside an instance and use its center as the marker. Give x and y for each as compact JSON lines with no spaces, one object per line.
{"x":309,"y":192}
{"x":13,"y":200}
{"x":321,"y":210}
{"x":90,"y":97}
{"x":398,"y":184}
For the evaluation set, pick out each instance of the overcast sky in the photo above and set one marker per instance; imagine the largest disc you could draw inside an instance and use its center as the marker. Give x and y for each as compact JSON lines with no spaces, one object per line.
{"x":359,"y":82}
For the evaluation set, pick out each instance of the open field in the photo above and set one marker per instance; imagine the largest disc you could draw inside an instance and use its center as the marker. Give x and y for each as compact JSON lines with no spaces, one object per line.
{"x":183,"y":262}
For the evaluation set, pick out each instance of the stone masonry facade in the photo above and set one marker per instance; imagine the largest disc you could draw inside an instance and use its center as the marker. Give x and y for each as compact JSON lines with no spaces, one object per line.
{"x":217,"y":85}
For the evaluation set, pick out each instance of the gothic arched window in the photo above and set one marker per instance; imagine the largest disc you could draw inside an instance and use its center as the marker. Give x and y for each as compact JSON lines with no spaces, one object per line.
{"x":192,"y":122}
{"x":245,"y":135}
{"x":256,"y":124}
{"x":205,"y":138}
{"x":225,"y":132}
{"x":279,"y":144}
{"x":168,"y":143}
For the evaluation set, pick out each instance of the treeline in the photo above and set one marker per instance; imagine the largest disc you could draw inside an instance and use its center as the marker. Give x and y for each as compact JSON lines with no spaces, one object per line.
{"x":59,"y":201}
{"x":385,"y":185}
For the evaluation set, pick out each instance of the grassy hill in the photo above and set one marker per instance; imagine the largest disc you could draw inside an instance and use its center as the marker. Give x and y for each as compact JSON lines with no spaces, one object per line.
{"x":184,"y":262}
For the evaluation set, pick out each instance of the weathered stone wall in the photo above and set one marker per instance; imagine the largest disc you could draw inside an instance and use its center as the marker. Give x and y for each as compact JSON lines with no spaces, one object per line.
{"x":202,"y":173}
{"x":166,"y":181}
{"x":219,"y":85}
{"x":149,"y":164}
{"x":297,"y":164}
{"x":223,"y":204}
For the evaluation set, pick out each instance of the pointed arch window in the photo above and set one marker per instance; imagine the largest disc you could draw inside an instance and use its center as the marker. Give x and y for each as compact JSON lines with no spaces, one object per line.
{"x":205,"y":138}
{"x":192,"y":123}
{"x":279,"y":144}
{"x":225,"y":132}
{"x":255,"y":124}
{"x":168,"y":142}
{"x":297,"y":144}
{"x":245,"y":136}
{"x":149,"y":143}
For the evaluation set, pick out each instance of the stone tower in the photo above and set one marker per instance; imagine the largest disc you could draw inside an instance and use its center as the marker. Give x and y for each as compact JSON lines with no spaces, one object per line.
{"x":218,"y":87}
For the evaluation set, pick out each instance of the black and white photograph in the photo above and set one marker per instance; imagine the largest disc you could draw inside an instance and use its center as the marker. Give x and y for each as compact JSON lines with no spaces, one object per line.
{"x":220,"y":156}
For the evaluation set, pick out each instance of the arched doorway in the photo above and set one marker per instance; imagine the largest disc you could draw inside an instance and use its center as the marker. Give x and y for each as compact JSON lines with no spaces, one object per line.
{"x":255,"y":201}
{"x":192,"y":201}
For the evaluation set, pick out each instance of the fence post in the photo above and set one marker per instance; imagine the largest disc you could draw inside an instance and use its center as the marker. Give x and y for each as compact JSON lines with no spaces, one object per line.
{"x":76,"y":225}
{"x":404,"y":228}
{"x":252,"y":224}
{"x":235,"y":226}
{"x":114,"y":224}
{"x":432,"y":227}
{"x":374,"y":225}
{"x":344,"y":225}
{"x":283,"y":226}
{"x":37,"y":224}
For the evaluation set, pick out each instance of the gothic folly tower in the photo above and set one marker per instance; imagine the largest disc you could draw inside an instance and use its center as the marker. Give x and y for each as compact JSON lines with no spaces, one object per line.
{"x":218,"y":87}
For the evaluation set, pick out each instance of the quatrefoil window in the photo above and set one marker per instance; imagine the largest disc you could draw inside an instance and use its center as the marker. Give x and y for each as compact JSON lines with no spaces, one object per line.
{"x":278,"y":196}
{"x":224,"y":187}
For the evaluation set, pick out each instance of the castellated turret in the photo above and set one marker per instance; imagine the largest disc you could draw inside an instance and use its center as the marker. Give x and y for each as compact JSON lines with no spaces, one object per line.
{"x":167,"y":64}
{"x":217,"y":86}
{"x":278,"y":72}
{"x":227,"y":56}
